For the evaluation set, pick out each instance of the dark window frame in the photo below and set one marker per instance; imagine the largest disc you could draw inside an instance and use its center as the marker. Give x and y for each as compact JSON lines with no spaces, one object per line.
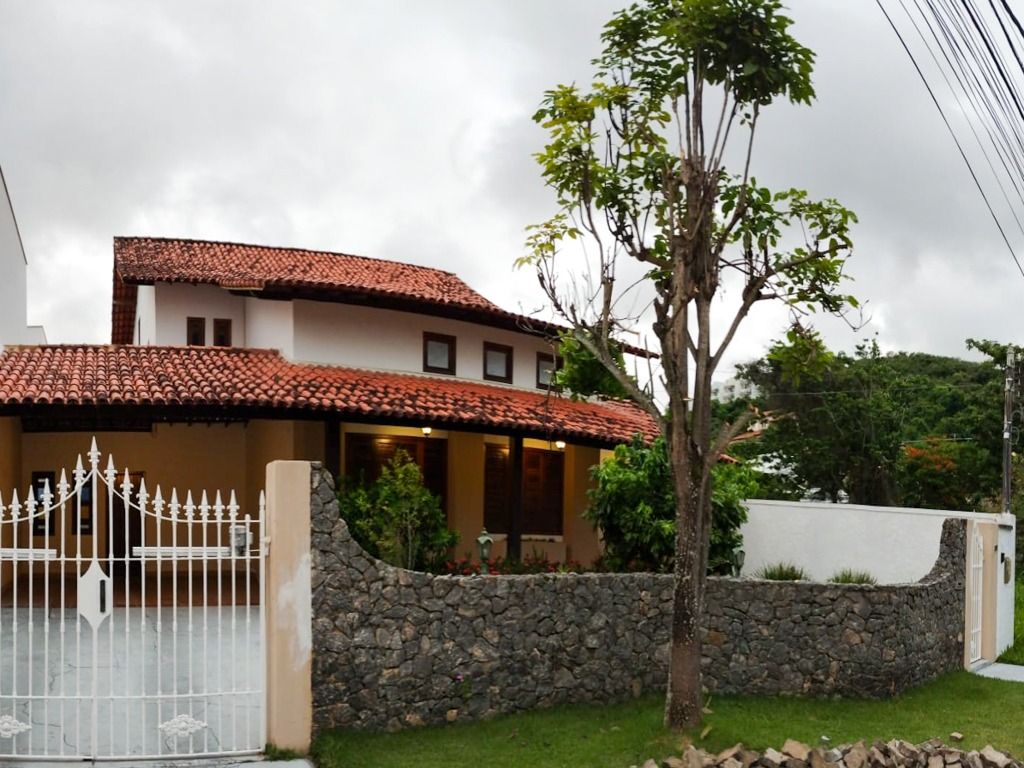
{"x":440,"y":338}
{"x":509,"y":352}
{"x":221,"y":321}
{"x":556,"y":364}
{"x":189,"y":322}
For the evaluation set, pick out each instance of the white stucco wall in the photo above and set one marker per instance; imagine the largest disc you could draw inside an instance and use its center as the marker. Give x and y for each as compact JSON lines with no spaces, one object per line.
{"x":896,"y":545}
{"x":1005,"y":598}
{"x":175,"y":302}
{"x":145,"y":315}
{"x":270,"y":325}
{"x":390,"y":340}
{"x":13,"y":277}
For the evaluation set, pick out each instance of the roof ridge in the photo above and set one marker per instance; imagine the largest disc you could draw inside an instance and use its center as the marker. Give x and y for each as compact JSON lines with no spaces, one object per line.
{"x":293,"y":248}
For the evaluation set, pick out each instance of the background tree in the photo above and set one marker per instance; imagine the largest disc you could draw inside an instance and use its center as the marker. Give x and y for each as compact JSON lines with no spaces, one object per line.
{"x":901,"y":428}
{"x":637,"y":165}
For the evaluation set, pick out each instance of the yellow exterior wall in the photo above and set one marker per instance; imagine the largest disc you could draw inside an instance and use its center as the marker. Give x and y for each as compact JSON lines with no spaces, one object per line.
{"x":466,"y":488}
{"x":196,"y":457}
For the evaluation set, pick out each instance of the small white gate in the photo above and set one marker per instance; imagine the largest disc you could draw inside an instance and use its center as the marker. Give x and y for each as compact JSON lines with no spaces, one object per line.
{"x":977,"y":583}
{"x":131,"y":625}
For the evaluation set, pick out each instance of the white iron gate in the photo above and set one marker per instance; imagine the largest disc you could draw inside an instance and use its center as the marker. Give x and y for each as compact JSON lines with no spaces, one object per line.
{"x":131,"y":625}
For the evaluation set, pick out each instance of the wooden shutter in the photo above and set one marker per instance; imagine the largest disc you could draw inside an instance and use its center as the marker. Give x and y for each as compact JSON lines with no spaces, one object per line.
{"x":496,"y":511}
{"x":543,"y":485}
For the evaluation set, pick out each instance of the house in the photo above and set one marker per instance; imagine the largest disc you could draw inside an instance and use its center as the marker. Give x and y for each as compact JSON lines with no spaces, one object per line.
{"x":226,"y":356}
{"x":13,"y":268}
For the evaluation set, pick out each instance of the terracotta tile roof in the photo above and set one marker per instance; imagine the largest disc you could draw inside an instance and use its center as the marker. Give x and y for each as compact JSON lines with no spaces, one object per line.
{"x":287,"y":272}
{"x":247,"y":382}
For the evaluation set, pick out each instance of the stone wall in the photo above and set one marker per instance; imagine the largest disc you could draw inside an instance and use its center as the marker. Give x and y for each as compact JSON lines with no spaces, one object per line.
{"x":395,"y":648}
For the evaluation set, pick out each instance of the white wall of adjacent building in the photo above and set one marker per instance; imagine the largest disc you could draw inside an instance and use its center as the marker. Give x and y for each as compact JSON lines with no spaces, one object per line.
{"x":13,"y":280}
{"x":896,"y":545}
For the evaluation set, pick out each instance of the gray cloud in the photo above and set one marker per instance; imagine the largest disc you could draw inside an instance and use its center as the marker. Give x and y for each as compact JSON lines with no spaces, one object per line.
{"x":402,"y":130}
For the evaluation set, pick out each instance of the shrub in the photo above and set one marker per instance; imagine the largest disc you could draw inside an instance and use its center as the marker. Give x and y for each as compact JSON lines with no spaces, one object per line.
{"x":850,"y":576}
{"x":782,"y":572}
{"x":633,"y":504}
{"x":396,"y":519}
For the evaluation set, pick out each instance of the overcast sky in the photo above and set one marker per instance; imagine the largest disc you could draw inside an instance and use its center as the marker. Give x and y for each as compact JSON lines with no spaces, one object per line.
{"x":402,"y":130}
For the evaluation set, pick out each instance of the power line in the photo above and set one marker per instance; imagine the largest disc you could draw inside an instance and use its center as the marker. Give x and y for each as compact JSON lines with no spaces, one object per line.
{"x":993,"y":59}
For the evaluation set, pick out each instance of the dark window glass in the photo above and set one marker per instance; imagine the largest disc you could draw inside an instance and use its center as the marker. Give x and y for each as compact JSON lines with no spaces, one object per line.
{"x":44,"y":525}
{"x":497,"y":362}
{"x":438,"y":353}
{"x":221,"y":333}
{"x":195,"y":331}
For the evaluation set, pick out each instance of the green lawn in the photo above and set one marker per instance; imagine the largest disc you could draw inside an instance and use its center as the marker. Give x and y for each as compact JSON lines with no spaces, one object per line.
{"x":1015,"y":655}
{"x":985,"y":711}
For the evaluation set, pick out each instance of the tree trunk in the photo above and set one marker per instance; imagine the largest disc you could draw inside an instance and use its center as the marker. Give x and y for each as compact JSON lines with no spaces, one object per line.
{"x":684,"y":701}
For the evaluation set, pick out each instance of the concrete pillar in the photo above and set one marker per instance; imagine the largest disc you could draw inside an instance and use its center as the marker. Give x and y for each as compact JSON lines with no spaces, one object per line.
{"x":288,"y":609}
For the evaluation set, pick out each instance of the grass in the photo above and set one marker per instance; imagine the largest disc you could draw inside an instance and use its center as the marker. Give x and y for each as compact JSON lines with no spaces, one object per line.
{"x":1015,"y":653}
{"x":782,"y":572}
{"x":985,"y":711}
{"x":851,"y":576}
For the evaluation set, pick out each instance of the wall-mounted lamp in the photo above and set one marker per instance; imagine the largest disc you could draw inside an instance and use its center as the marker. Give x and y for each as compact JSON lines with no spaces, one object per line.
{"x":427,"y":431}
{"x":560,"y":445}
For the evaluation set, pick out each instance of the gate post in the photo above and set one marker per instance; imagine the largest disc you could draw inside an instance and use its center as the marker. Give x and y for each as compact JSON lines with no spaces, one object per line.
{"x":288,"y":612}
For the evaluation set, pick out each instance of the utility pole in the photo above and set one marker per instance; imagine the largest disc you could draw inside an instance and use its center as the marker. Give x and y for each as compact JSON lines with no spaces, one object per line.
{"x":1011,"y":367}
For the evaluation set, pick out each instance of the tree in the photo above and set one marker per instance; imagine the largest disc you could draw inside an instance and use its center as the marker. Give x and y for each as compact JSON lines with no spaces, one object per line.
{"x":396,"y":518}
{"x":637,"y":166}
{"x":633,"y":503}
{"x":900,"y":428}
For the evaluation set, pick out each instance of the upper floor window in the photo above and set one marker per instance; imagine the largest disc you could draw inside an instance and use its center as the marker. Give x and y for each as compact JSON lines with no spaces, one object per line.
{"x":547,"y":364}
{"x":497,"y":362}
{"x":439,"y":353}
{"x":221,"y":332}
{"x":195,"y":331}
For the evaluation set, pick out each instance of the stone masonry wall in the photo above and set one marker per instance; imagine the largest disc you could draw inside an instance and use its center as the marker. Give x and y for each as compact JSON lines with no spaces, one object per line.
{"x":395,"y":648}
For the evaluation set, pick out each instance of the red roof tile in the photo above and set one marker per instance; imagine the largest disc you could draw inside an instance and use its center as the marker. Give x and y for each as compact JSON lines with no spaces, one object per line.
{"x":284,"y":272}
{"x":244,"y":380}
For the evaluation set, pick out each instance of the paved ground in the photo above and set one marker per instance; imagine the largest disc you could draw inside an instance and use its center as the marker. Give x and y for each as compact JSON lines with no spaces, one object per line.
{"x":155,"y":683}
{"x":999,"y":671}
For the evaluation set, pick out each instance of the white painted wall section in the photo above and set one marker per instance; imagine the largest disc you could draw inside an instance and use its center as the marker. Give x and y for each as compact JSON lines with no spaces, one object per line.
{"x":13,"y":280}
{"x":383,"y":339}
{"x":176,"y":302}
{"x":896,"y":545}
{"x":1007,"y":581}
{"x":145,"y":315}
{"x":270,"y":325}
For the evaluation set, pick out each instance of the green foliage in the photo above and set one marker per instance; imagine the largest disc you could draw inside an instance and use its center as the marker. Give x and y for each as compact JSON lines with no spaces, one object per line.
{"x":397,"y":519}
{"x":873,"y":428}
{"x":782,"y":572}
{"x":851,"y":576}
{"x":633,"y":504}
{"x":582,"y":374}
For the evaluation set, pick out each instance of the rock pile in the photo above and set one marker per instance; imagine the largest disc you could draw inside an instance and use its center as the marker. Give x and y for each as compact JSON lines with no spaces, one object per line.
{"x":881,"y":754}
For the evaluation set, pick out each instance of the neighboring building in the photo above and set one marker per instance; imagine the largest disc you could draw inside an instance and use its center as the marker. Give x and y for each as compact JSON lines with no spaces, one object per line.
{"x":227,"y":356}
{"x":13,"y":269}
